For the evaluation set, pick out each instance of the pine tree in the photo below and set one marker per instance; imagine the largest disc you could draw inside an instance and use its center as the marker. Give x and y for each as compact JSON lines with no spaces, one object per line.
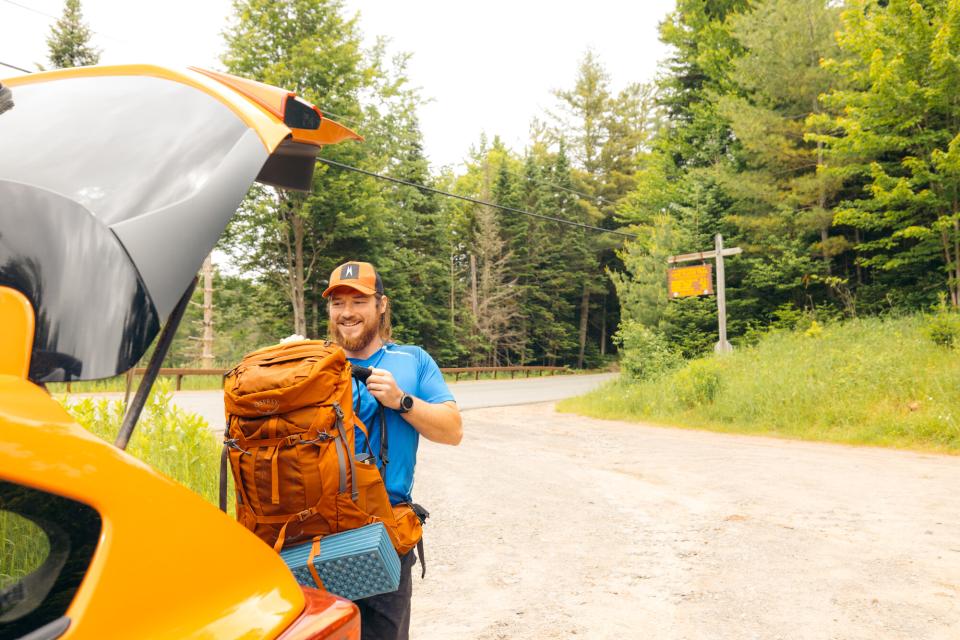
{"x":780,"y":185}
{"x":896,"y":133}
{"x":294,"y":240}
{"x":69,"y":40}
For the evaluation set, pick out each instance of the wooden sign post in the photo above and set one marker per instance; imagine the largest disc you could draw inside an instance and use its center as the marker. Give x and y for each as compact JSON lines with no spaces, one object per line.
{"x":717,"y":254}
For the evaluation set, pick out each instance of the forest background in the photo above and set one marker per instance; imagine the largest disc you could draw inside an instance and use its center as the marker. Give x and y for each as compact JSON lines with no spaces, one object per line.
{"x":821,"y":137}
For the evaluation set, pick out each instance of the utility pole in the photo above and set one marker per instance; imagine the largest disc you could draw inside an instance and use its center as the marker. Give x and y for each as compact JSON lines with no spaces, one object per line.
{"x":722,"y":346}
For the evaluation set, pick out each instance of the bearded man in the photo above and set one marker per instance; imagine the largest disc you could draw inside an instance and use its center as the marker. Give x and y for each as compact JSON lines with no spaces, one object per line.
{"x":408,"y":383}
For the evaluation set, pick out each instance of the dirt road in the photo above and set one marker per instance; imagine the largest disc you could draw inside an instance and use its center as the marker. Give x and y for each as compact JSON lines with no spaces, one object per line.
{"x":548,"y":525}
{"x":469,"y":394}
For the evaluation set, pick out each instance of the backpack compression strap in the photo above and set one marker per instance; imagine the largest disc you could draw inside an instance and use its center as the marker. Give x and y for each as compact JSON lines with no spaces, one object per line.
{"x":224,"y":455}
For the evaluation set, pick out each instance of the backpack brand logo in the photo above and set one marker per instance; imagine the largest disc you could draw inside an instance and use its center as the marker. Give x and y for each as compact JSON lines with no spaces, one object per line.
{"x":350,"y":272}
{"x":266,"y":406}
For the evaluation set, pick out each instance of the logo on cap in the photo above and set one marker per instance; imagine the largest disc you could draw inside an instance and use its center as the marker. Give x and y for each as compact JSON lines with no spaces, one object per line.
{"x":350,"y":272}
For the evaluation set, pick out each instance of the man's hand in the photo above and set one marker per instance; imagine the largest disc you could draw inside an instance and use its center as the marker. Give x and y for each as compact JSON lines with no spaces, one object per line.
{"x":438,"y":422}
{"x":383,"y":387}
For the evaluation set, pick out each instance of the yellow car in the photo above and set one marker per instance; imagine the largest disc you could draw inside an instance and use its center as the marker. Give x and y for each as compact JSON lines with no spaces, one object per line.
{"x":115,"y":183}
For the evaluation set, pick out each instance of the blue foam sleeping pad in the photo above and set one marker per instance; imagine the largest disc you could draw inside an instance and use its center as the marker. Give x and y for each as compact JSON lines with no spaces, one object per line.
{"x":352,"y":564}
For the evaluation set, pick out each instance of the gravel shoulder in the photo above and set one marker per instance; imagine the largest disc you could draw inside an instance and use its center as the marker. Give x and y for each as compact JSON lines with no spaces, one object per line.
{"x":549,"y":525}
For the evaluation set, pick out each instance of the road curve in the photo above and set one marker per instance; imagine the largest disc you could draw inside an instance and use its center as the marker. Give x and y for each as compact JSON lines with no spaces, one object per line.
{"x":469,"y":394}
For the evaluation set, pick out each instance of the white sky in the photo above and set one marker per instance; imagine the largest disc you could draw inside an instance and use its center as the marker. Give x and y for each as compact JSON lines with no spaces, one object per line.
{"x":486,"y":66}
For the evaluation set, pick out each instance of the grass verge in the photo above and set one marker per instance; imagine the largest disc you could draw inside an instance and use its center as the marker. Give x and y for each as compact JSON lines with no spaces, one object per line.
{"x":119,"y":384}
{"x":879,"y":382}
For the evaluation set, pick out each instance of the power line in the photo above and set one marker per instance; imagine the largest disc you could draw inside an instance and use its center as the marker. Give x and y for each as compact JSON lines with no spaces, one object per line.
{"x":53,"y":17}
{"x":360,"y":122}
{"x":342,"y":118}
{"x":452,"y":195}
{"x":15,"y":67}
{"x":473,"y":200}
{"x":378,"y":125}
{"x":31,"y":9}
{"x":546,"y":183}
{"x":586,"y":196}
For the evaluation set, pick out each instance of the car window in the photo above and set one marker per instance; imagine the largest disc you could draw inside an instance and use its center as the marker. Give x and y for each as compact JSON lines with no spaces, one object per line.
{"x":46,"y":545}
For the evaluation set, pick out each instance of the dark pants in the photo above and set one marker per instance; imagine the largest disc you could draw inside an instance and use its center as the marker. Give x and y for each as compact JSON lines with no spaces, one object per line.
{"x":387,"y":616}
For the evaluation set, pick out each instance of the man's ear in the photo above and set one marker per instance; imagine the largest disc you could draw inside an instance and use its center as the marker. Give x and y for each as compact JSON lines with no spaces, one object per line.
{"x":382,"y":307}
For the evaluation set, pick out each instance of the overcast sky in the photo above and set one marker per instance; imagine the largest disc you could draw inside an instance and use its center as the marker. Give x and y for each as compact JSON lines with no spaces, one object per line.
{"x":486,"y":66}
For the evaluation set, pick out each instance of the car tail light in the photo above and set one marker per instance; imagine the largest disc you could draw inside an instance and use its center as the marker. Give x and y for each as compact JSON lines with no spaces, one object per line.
{"x":324,"y":617}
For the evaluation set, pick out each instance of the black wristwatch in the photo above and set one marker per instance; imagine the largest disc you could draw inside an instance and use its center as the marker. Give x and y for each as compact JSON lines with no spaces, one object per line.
{"x":406,"y":403}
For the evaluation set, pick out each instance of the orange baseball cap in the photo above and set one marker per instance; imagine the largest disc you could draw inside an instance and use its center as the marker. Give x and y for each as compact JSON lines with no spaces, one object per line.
{"x":356,"y":275}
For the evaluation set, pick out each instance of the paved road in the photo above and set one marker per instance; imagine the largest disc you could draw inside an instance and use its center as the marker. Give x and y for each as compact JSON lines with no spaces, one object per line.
{"x":469,"y":395}
{"x":546,"y":525}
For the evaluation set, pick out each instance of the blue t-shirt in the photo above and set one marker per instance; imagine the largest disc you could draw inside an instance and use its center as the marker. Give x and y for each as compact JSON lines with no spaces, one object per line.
{"x":416,"y":374}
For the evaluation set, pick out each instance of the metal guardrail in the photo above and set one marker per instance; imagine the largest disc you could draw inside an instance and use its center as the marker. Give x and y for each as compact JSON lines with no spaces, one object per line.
{"x":180,"y":373}
{"x":513,"y":371}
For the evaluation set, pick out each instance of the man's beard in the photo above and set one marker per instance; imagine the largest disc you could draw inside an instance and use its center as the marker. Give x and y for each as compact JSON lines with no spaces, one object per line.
{"x":370,"y":331}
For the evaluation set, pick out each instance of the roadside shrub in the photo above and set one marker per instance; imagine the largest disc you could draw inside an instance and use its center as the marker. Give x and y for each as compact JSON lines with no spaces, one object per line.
{"x":815,"y":330}
{"x":943,"y":328}
{"x":175,"y":442}
{"x":645,"y":354}
{"x":697,"y":383}
{"x":788,"y":316}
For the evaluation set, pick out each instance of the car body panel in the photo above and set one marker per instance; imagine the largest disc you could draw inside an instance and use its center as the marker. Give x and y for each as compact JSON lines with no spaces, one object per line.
{"x":91,"y":258}
{"x":169,"y":564}
{"x":16,"y":340}
{"x":270,"y":129}
{"x":128,"y":175}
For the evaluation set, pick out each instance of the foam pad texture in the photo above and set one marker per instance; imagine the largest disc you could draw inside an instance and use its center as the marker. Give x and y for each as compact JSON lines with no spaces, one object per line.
{"x":352,"y":564}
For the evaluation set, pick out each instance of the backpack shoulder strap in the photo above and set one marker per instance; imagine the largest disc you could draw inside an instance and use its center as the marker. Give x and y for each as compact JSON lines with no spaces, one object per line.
{"x":384,"y":446}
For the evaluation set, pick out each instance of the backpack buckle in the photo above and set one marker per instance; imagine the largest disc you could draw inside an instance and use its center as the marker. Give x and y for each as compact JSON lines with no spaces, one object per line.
{"x":322,"y":436}
{"x":232,"y":443}
{"x":303,"y":515}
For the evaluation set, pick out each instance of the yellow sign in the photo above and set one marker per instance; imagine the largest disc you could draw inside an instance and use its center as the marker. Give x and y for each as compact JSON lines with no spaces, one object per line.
{"x":690,"y":281}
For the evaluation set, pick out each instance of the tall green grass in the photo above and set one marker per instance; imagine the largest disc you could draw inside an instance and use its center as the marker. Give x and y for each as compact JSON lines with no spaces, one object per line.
{"x":23,"y":548}
{"x":175,"y":442}
{"x":873,"y":382}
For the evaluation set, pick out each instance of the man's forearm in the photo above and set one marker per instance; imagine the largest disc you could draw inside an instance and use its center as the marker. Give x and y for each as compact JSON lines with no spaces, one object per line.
{"x":437,"y":422}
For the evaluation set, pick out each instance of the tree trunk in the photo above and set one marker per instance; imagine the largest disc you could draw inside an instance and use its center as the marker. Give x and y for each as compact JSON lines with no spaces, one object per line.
{"x":822,"y":204}
{"x":453,"y":290}
{"x":956,"y":261}
{"x":299,"y":302}
{"x":949,"y":260}
{"x":584,"y":316}
{"x":474,"y":300}
{"x":292,"y":238}
{"x":856,"y":242}
{"x":603,"y":327}
{"x":206,"y":360}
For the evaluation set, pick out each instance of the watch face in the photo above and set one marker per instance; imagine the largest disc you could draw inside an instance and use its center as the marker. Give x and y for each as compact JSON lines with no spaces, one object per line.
{"x":406,"y":402}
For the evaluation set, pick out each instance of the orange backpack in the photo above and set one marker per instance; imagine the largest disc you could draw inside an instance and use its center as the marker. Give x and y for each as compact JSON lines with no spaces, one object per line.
{"x":290,"y":442}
